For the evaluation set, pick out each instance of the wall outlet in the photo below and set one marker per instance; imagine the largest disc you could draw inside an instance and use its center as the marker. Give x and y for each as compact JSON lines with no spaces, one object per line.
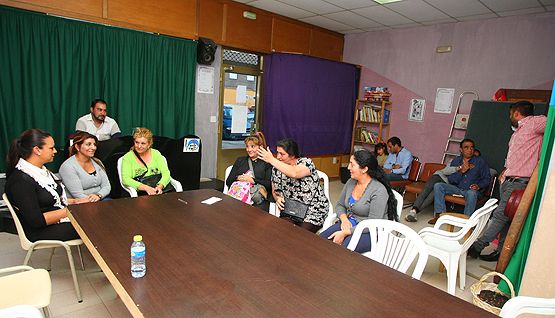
{"x":334,"y":160}
{"x":213,"y":119}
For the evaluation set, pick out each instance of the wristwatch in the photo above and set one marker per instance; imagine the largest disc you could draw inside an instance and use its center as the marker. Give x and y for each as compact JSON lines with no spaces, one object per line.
{"x":99,"y":196}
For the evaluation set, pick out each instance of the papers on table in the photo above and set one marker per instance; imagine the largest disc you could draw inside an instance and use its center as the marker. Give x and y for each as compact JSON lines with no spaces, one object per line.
{"x":211,"y":200}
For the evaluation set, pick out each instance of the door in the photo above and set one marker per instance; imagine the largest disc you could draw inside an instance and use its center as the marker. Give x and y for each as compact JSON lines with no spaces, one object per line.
{"x":239,"y":105}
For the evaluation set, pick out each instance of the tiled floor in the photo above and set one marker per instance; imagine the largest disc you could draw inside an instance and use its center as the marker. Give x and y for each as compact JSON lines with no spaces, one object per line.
{"x":100,"y":299}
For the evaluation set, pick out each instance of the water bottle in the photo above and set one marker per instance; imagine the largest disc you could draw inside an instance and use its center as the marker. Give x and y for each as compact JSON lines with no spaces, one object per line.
{"x":138,"y":257}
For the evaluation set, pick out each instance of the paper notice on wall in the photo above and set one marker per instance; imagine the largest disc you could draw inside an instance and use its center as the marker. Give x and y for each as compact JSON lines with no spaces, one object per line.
{"x":205,"y":80}
{"x":239,"y":119}
{"x":444,"y":100}
{"x":241,"y":94}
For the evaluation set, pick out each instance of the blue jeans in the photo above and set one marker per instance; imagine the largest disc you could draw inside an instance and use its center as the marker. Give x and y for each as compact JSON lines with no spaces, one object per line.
{"x":442,"y":189}
{"x":363,"y":244}
{"x":394,"y":177}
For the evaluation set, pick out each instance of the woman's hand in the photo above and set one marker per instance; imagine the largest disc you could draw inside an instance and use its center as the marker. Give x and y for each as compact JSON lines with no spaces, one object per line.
{"x":148,"y":189}
{"x":246,"y":177}
{"x":280,"y":203}
{"x":78,"y":201}
{"x":93,"y":197}
{"x":346,"y":226}
{"x":265,"y":154}
{"x":159,"y":189}
{"x":338,"y":237}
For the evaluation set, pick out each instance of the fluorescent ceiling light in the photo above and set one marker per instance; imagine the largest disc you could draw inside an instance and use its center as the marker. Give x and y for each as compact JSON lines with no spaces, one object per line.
{"x":386,"y":1}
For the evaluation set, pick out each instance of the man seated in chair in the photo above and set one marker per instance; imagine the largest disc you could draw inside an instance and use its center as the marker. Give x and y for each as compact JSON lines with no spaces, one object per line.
{"x":471,"y":178}
{"x":397,"y":164}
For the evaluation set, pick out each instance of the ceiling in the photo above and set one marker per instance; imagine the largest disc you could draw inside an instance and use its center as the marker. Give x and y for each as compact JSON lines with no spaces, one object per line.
{"x":357,"y":16}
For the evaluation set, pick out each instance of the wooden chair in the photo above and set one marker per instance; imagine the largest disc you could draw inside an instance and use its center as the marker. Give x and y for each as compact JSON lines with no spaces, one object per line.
{"x":427,"y":171}
{"x":413,"y":175}
{"x":460,"y":200}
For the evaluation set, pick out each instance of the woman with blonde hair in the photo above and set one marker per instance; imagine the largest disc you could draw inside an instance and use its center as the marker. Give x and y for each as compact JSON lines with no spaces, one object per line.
{"x":84,"y":175}
{"x":257,"y":172}
{"x":143,"y":161}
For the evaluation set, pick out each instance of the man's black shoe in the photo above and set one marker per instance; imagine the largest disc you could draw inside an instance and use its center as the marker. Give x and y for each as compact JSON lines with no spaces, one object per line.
{"x":472,"y":252}
{"x":493,"y":257}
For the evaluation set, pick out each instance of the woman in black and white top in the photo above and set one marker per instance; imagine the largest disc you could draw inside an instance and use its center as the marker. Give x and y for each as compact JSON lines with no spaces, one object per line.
{"x":295,"y":178}
{"x":38,"y":198}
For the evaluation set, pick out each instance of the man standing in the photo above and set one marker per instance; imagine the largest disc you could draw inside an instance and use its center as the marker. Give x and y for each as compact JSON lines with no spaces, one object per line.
{"x":97,"y":123}
{"x":397,"y":164}
{"x":523,"y":155}
{"x":469,"y":180}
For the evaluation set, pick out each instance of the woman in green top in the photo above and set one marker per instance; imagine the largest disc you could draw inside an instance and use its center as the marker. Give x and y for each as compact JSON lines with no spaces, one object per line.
{"x":132,"y":166}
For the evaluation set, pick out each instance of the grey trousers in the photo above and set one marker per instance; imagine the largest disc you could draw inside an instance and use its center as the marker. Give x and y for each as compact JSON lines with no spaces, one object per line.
{"x":426,"y":197}
{"x":498,"y":223}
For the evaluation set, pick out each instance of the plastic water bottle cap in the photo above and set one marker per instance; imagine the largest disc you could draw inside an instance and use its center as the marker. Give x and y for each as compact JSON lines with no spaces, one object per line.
{"x":137,"y":238}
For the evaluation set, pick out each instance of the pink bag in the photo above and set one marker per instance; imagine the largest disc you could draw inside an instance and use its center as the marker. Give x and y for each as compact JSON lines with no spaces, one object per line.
{"x":241,"y":190}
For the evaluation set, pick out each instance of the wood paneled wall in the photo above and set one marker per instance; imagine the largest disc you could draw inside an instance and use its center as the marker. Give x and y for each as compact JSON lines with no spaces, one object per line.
{"x":219,"y":20}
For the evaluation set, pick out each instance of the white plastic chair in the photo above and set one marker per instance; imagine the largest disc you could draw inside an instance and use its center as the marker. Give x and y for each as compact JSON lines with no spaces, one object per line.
{"x":31,"y":287}
{"x":20,"y":311}
{"x":31,"y":246}
{"x":399,"y":198}
{"x":530,"y":305}
{"x":393,"y":244}
{"x":133,"y":193}
{"x":227,"y":172}
{"x":451,"y":247}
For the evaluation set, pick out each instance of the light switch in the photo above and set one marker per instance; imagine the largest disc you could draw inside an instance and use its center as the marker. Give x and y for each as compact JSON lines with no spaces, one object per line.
{"x":213,"y":119}
{"x":334,"y":160}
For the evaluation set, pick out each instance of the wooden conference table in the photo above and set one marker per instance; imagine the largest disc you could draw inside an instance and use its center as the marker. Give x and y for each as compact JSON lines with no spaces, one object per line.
{"x":232,"y":260}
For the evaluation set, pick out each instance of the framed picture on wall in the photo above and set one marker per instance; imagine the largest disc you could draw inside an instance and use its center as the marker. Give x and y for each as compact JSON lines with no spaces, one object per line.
{"x":416,"y":110}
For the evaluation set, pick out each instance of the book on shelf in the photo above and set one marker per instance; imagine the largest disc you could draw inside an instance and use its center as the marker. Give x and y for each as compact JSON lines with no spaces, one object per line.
{"x":386,"y":113}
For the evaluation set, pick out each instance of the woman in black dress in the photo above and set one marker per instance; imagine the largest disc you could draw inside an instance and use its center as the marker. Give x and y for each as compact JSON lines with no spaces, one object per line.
{"x":37,"y":196}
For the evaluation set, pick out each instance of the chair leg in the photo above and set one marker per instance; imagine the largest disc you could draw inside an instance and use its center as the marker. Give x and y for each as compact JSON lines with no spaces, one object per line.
{"x":81,"y":257}
{"x":50,"y":261}
{"x":452,"y":267}
{"x":462,"y":271}
{"x":28,"y":256}
{"x":72,"y":266}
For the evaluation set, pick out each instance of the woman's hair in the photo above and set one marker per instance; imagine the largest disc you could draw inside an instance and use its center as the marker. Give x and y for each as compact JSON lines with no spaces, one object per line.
{"x":141,"y":132}
{"x":379,"y":146}
{"x":365,"y":158}
{"x":258,"y":139}
{"x":290,"y":146}
{"x":22,"y":147}
{"x":79,"y":139}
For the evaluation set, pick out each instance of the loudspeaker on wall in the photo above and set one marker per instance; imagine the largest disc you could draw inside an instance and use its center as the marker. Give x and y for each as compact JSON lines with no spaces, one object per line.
{"x":206,"y":50}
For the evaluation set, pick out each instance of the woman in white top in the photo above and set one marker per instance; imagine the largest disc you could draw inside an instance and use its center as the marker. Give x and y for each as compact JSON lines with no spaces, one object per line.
{"x":84,"y":175}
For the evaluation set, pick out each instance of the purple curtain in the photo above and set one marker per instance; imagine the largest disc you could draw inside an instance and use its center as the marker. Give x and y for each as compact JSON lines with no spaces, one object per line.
{"x":310,"y":100}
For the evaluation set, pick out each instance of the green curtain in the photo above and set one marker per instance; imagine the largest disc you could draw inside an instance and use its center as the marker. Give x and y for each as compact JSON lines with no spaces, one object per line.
{"x":52,"y":68}
{"x":515,"y":268}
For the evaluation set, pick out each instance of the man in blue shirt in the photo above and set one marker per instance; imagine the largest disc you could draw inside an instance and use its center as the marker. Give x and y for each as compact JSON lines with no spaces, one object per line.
{"x":397,"y":164}
{"x":470,"y":179}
